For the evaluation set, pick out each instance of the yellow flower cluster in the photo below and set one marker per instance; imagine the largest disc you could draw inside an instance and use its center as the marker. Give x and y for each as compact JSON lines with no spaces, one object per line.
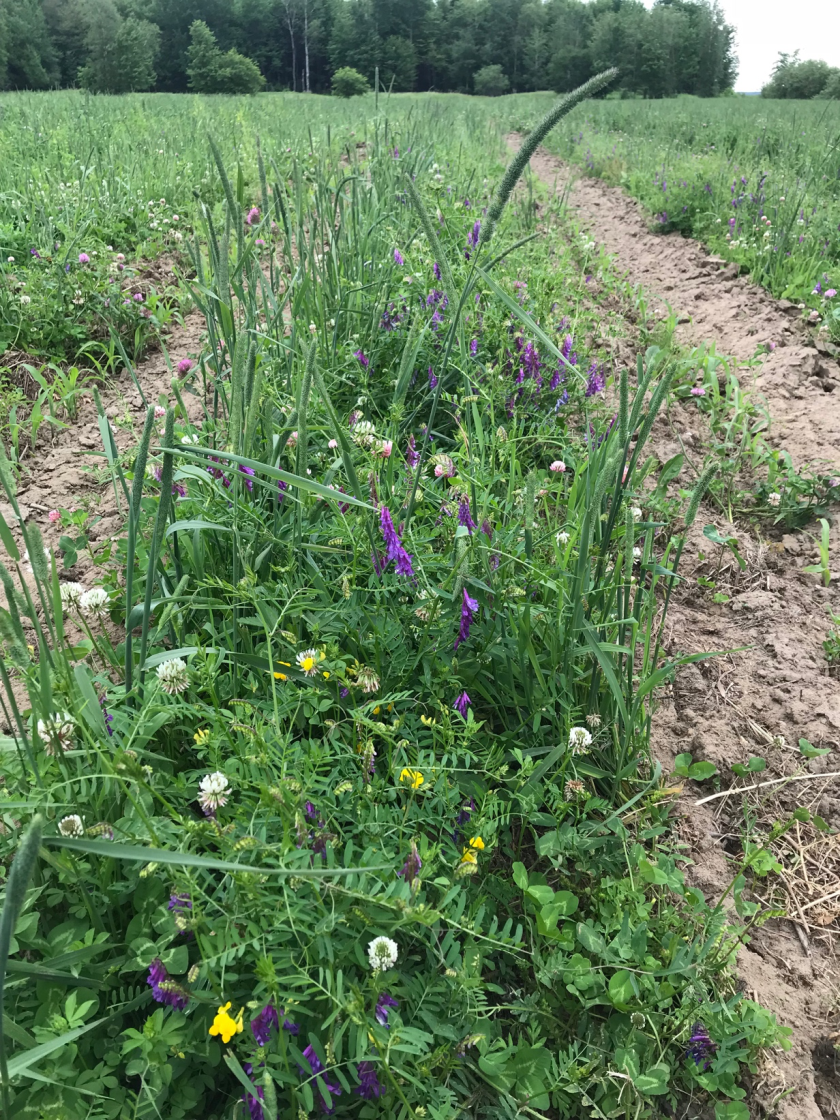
{"x":413,"y":777}
{"x":469,"y":856}
{"x":225,"y":1026}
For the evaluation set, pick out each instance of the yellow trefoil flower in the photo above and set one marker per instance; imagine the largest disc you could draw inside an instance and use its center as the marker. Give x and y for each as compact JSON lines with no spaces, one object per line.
{"x":414,"y":778}
{"x":477,"y":842}
{"x":282,"y":676}
{"x":202,"y":736}
{"x":225,"y":1026}
{"x":469,"y":856}
{"x":427,"y":721}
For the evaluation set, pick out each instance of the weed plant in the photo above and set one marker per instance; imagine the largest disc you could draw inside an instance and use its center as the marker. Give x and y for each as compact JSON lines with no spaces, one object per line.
{"x":756,"y":181}
{"x":342,"y":765}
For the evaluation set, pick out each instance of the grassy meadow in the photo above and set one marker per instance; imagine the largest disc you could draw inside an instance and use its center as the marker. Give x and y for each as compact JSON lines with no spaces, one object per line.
{"x":758,"y":181}
{"x":329,"y":791}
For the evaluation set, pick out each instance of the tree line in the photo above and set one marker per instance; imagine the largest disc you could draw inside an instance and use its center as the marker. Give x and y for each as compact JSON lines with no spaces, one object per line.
{"x":677,"y":46}
{"x":805,"y":79}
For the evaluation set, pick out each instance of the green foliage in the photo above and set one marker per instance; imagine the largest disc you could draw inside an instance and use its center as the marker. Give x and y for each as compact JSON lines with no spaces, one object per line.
{"x":264,"y":744}
{"x":211,"y":70}
{"x":756,"y":188}
{"x":490,"y":81}
{"x":801,"y":80}
{"x":347,"y":82}
{"x":121,"y":52}
{"x":684,"y":46}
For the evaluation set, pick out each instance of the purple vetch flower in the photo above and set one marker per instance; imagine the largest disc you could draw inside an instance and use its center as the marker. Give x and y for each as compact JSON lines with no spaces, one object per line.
{"x":109,"y":718}
{"x":316,"y":1069}
{"x":165,"y":990}
{"x":412,"y":455}
{"x":249,"y":474}
{"x":469,"y":608}
{"x":487,"y":529}
{"x":462,"y":703}
{"x":254,"y":1103}
{"x":180,"y":902}
{"x":464,"y":515}
{"x":345,"y":692}
{"x":370,"y":1087}
{"x":411,"y":868}
{"x":432,"y":379}
{"x":393,"y":546}
{"x":596,"y":382}
{"x":282,"y":487}
{"x":398,"y":257}
{"x":700,"y":1046}
{"x":364,"y":362}
{"x":35,"y":253}
{"x":263,"y":1024}
{"x":474,"y":346}
{"x":383,"y":1006}
{"x":436,"y":270}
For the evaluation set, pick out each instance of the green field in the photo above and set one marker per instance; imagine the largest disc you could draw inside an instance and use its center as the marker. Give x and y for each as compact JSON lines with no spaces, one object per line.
{"x":337,"y":764}
{"x":758,"y":181}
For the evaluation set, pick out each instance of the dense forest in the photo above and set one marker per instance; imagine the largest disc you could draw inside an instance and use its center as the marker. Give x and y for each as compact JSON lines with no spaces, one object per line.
{"x":678,"y":46}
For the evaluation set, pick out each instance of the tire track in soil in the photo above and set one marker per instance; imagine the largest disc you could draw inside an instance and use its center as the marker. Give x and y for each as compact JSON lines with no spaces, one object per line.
{"x":726,"y":709}
{"x":54,"y":475}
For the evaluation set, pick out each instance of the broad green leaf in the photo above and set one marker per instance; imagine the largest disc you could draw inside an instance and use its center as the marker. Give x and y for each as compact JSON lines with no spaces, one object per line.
{"x":622,"y":988}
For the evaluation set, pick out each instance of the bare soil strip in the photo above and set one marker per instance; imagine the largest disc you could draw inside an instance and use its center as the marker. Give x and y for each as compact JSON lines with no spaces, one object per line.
{"x":728,"y":709}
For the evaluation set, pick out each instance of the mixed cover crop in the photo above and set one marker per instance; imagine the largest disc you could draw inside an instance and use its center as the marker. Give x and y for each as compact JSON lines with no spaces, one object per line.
{"x":757,"y":181}
{"x":333,"y":776}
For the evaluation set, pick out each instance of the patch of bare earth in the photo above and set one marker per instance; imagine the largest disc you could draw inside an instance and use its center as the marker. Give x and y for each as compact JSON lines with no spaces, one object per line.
{"x":759,"y":700}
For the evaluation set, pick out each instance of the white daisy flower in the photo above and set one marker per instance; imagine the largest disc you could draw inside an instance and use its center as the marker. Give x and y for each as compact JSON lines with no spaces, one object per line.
{"x":382,"y":953}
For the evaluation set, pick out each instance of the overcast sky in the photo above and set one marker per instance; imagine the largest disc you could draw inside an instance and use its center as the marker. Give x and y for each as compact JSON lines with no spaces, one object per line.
{"x":765,"y":27}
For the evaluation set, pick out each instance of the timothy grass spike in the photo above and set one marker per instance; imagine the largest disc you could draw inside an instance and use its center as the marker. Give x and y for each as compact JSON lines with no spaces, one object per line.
{"x":533,"y":140}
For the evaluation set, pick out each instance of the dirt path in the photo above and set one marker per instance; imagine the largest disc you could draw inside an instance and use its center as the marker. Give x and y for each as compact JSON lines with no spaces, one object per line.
{"x":760,"y":701}
{"x":58,"y":473}
{"x":714,"y":305}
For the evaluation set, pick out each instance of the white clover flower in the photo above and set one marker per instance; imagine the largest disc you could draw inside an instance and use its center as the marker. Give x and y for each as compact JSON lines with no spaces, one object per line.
{"x":593,"y":720}
{"x":367,"y":679}
{"x":194,"y":438}
{"x":635,"y":513}
{"x":382,"y":953}
{"x":94,"y":602}
{"x":173,"y":676}
{"x":71,"y":594}
{"x":308,"y":661}
{"x":563,"y":538}
{"x":774,"y":499}
{"x":56,"y":733}
{"x":637,"y":553}
{"x":213,"y":791}
{"x":579,"y":740}
{"x":71,"y":826}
